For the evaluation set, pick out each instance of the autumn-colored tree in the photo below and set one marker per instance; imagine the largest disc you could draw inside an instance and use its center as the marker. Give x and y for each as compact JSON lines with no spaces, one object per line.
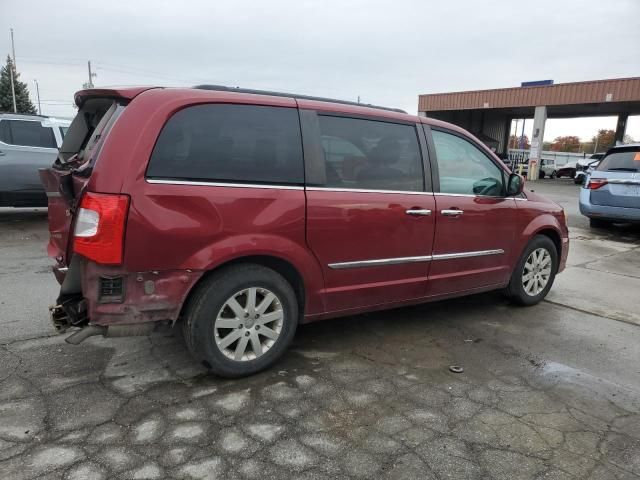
{"x":514,"y":142}
{"x":569,"y":143}
{"x":605,"y":139}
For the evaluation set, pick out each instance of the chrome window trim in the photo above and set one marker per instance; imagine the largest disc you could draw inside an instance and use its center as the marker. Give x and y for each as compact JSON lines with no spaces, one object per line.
{"x":401,"y":260}
{"x":478,"y":253}
{"x":365,"y":190}
{"x":479,"y":196}
{"x":469,"y":195}
{"x":221,"y":184}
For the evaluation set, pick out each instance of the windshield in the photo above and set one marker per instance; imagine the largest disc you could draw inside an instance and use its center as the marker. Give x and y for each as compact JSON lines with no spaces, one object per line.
{"x":624,"y":161}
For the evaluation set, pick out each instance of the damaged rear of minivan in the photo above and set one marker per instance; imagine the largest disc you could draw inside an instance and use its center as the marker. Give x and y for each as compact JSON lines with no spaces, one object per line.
{"x":87,"y":224}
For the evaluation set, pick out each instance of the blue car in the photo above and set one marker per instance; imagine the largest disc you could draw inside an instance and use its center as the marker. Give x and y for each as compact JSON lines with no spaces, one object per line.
{"x":612,"y":191}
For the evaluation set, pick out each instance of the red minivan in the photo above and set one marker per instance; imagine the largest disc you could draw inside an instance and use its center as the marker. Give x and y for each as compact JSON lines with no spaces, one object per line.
{"x":242,"y":213}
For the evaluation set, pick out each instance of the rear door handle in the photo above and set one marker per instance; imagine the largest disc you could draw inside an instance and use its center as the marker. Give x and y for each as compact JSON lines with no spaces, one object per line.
{"x":2,"y":153}
{"x":452,"y":212}
{"x":418,"y":212}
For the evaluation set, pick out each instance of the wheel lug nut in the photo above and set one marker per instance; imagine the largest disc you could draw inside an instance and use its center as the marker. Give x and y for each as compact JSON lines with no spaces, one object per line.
{"x":257,"y":327}
{"x":247,"y":334}
{"x":241,"y":325}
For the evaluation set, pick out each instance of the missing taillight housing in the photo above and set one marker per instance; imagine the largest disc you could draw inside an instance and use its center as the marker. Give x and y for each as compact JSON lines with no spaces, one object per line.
{"x":100,"y":225}
{"x":595,"y":183}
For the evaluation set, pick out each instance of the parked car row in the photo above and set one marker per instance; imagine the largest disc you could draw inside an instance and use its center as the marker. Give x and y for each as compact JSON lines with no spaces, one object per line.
{"x":267,"y":209}
{"x":27,"y":143}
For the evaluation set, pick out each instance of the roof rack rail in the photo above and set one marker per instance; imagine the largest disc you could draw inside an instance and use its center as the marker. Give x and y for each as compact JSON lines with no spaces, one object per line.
{"x":223,"y":88}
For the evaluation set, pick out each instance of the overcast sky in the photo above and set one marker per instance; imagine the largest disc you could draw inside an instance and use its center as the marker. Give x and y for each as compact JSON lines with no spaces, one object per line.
{"x":386,"y":52}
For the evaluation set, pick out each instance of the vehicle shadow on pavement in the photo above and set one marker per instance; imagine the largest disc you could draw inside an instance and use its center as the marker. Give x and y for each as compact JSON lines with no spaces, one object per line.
{"x":369,"y":396}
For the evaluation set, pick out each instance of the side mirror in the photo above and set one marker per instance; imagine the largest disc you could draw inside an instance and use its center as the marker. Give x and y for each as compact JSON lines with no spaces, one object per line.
{"x":515,"y":185}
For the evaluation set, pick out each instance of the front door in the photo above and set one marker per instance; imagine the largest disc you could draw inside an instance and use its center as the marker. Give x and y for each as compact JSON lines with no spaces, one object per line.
{"x":370,"y":220}
{"x":475,"y":222}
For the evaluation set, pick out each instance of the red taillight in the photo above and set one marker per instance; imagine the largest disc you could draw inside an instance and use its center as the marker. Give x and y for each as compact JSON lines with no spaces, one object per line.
{"x":99,"y":231}
{"x":595,"y":183}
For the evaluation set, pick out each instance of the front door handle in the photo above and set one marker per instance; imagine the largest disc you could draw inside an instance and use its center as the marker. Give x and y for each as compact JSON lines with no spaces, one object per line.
{"x":418,"y":212}
{"x":454,"y":212}
{"x":2,"y":153}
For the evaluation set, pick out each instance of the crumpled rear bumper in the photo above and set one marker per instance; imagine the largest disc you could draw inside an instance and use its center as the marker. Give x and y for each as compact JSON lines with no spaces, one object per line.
{"x":146,"y":296}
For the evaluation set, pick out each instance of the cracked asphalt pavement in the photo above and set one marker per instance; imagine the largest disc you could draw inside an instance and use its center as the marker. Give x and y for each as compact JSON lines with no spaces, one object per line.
{"x":547,"y":392}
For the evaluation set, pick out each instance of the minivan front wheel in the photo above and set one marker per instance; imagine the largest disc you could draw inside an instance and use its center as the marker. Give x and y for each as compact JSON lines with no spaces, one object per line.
{"x":241,"y":320}
{"x":533,"y":276}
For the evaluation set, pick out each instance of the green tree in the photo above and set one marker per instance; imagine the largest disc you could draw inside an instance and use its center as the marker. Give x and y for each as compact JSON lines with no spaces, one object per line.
{"x":23,"y":103}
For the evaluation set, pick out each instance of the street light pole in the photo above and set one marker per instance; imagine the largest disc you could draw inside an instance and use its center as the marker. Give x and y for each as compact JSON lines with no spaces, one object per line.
{"x":38,"y":94}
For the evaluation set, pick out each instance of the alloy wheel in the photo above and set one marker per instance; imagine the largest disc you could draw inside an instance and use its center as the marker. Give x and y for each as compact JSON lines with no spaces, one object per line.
{"x":248,"y":324}
{"x":536,"y":271}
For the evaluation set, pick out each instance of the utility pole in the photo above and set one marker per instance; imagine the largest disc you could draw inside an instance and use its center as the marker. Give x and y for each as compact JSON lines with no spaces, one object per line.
{"x":92,"y":75}
{"x":38,"y":94}
{"x":13,"y":49}
{"x":12,"y":74}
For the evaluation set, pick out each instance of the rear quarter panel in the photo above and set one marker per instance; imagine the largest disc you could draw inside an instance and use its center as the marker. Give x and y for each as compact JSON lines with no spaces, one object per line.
{"x":196,"y":227}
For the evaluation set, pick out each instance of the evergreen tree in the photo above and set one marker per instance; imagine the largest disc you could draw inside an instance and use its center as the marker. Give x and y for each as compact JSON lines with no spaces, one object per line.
{"x":23,"y":103}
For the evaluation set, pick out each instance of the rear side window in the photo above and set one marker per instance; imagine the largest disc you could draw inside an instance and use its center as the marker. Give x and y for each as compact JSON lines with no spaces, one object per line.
{"x":27,"y":133}
{"x":623,"y":161}
{"x":230,"y":143}
{"x":368,"y":154}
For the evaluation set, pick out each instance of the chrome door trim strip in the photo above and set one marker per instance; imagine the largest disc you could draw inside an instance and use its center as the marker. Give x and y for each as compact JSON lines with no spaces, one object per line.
{"x":53,"y":194}
{"x":479,"y":253}
{"x":364,"y":190}
{"x":379,"y":262}
{"x":425,"y":258}
{"x":221,"y":184}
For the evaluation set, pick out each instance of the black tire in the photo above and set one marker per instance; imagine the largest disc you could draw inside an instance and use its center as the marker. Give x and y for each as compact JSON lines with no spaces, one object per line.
{"x":598,"y":223}
{"x":208,"y":300}
{"x":541,"y":174}
{"x":578,"y":180}
{"x":554,"y":174}
{"x":515,"y":289}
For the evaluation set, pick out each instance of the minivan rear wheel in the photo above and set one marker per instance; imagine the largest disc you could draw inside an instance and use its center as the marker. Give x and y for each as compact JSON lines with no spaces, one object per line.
{"x":241,"y":320}
{"x":535,"y":272}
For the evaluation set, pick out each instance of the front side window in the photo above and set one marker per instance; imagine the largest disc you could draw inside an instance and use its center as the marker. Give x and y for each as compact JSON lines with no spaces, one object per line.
{"x":368,"y":154}
{"x":230,"y":143}
{"x":27,"y":133}
{"x":464,"y":169}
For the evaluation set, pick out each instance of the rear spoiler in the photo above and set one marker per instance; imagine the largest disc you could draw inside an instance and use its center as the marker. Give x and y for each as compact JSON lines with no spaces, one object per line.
{"x":127,"y":93}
